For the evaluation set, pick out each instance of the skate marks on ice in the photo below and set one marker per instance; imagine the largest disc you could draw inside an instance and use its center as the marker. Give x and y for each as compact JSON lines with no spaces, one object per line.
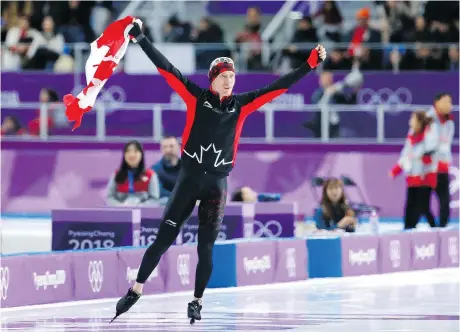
{"x":422,"y":301}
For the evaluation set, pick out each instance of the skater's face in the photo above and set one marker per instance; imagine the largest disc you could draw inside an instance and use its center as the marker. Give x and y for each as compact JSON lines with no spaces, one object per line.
{"x":444,"y":104}
{"x":133,"y":156}
{"x":334,"y":193}
{"x":224,"y":83}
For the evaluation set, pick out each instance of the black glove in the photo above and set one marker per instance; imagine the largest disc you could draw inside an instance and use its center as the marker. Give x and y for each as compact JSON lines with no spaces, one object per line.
{"x":135,"y":30}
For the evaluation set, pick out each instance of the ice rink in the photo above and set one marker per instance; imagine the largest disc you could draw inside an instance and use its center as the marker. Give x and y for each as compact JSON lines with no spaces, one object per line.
{"x":424,"y":301}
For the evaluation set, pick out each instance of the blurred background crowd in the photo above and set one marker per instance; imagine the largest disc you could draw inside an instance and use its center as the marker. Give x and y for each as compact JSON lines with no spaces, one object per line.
{"x":374,"y":35}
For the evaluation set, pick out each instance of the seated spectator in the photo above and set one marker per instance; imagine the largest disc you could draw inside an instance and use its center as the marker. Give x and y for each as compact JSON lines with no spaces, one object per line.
{"x":168,"y":168}
{"x":252,"y":39}
{"x":18,"y":40}
{"x":334,"y":212}
{"x":332,"y":20}
{"x":331,"y":94}
{"x":305,"y":33}
{"x":362,"y":33}
{"x":248,"y":195}
{"x":209,"y":32}
{"x":11,"y":127}
{"x":442,"y":20}
{"x":424,"y":58}
{"x":74,"y":20}
{"x":453,"y":58}
{"x":11,"y":13}
{"x":51,"y":98}
{"x":337,"y":60}
{"x":46,"y":47}
{"x":176,"y":31}
{"x":133,"y":184}
{"x":399,"y":18}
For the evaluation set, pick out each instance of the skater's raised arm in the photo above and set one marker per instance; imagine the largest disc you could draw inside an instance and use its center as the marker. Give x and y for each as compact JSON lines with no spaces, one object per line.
{"x":253,"y":100}
{"x":179,"y":83}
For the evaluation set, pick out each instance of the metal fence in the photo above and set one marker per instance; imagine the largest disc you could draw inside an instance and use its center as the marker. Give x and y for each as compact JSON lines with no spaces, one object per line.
{"x":160,"y":119}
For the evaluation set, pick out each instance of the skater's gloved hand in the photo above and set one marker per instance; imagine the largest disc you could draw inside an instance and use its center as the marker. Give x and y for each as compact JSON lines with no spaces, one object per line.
{"x":317,"y":55}
{"x":135,"y":30}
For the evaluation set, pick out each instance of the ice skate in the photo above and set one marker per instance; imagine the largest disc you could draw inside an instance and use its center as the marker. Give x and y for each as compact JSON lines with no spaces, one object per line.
{"x":194,"y":311}
{"x":125,"y":303}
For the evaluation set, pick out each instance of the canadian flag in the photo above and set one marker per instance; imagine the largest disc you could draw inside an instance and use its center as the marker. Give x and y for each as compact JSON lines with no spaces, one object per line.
{"x":106,"y":53}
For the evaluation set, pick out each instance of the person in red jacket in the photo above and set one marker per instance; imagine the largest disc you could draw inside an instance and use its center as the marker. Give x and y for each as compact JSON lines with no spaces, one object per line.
{"x":133,"y":184}
{"x":417,"y":163}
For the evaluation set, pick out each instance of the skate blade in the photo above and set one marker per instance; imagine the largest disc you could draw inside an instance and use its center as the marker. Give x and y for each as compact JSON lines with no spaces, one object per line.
{"x":116,"y":316}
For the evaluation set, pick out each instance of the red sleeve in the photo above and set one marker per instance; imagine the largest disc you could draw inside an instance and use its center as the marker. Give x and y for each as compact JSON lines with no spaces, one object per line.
{"x":396,"y":170}
{"x":253,"y":100}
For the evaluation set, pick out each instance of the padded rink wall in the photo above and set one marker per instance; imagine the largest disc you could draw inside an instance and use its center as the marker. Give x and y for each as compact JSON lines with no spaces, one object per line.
{"x":97,"y":274}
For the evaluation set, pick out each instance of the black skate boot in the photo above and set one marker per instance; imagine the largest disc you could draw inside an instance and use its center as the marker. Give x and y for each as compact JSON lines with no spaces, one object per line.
{"x":125,"y":303}
{"x":194,"y":311}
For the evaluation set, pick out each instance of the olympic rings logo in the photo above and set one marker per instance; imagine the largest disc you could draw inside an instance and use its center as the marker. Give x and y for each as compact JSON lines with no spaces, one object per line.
{"x":271,"y":228}
{"x":395,"y":253}
{"x":96,"y":275}
{"x":4,"y":281}
{"x":385,"y":96}
{"x":183,"y":268}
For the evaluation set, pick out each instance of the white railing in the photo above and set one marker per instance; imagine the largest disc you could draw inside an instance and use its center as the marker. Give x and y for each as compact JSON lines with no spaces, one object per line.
{"x":269,"y":120}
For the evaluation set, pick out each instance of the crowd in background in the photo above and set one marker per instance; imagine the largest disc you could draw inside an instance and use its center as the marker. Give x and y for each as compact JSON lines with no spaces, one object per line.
{"x":37,"y":35}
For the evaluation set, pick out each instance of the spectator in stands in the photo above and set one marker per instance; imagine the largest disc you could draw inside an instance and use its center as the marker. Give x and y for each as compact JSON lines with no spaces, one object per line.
{"x":334,"y":212}
{"x":73,"y":19}
{"x":169,"y":166}
{"x":46,"y":47}
{"x":420,"y":169}
{"x":421,"y":32}
{"x":209,"y":32}
{"x":362,"y":33}
{"x":11,"y":126}
{"x":337,"y":60}
{"x":399,"y":18}
{"x":11,"y":13}
{"x":330,"y":94}
{"x":176,"y":31}
{"x":424,"y":59}
{"x":248,"y":195}
{"x":453,"y":58}
{"x":305,"y":33}
{"x":133,"y":184}
{"x":252,"y":39}
{"x":332,"y":20}
{"x":51,"y":98}
{"x":18,"y":40}
{"x":442,"y":20}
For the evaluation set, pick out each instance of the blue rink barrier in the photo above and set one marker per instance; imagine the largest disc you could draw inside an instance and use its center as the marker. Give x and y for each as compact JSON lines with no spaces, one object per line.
{"x":107,"y":273}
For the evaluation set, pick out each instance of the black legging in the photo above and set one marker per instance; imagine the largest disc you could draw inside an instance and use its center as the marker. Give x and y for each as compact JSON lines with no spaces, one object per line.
{"x":211,"y":190}
{"x":418,"y":204}
{"x":442,"y":191}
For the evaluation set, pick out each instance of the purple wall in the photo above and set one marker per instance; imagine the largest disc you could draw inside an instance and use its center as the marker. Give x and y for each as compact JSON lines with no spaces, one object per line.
{"x":381,"y":88}
{"x":38,"y":177}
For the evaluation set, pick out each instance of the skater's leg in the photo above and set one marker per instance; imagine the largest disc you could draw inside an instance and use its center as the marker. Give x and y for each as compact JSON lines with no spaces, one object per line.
{"x":177,"y":212}
{"x":210,"y":215}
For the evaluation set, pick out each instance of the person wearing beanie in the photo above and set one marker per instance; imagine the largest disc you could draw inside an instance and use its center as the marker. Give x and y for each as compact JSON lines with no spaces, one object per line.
{"x":214,"y":121}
